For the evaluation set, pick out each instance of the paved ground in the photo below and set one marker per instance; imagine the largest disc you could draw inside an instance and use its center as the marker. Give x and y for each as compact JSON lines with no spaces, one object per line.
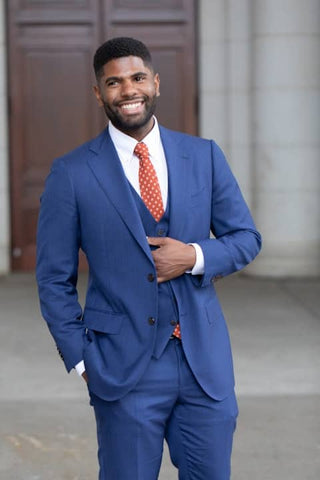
{"x":47,"y":429}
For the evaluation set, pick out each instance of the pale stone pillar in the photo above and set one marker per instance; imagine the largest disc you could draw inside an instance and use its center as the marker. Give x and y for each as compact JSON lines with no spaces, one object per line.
{"x":225,"y":82}
{"x":4,"y":157}
{"x":286,"y":110}
{"x":239,"y":108}
{"x":213,"y":81}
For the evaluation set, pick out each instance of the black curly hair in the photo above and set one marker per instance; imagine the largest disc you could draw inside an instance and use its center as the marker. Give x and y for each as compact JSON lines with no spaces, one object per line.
{"x":120,"y":47}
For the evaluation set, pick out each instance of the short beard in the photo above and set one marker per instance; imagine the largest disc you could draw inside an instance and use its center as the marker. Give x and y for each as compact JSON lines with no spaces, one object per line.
{"x":118,"y":122}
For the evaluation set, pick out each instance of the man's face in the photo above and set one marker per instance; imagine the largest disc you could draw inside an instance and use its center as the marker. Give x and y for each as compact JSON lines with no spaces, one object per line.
{"x":128,"y":90}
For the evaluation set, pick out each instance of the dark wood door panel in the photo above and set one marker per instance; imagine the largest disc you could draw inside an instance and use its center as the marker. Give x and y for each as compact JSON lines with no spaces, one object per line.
{"x":61,"y":10}
{"x":56,"y":112}
{"x":51,"y":125}
{"x":139,"y":11}
{"x":52,"y":107}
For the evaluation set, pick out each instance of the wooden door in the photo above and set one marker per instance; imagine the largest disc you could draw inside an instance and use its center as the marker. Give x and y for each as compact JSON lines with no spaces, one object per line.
{"x":52,"y":108}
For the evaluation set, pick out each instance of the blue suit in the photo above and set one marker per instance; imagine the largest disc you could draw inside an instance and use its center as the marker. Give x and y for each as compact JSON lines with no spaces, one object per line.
{"x":89,"y":204}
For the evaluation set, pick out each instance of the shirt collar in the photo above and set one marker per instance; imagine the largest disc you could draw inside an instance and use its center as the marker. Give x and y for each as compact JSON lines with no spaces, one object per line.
{"x":125,"y":144}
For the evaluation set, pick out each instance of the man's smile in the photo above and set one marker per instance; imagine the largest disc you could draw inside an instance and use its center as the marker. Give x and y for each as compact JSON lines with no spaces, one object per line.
{"x":132,"y":107}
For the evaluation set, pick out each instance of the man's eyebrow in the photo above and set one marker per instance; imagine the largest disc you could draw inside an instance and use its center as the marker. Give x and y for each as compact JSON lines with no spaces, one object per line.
{"x":135,"y":74}
{"x":112,"y":78}
{"x":139,"y":74}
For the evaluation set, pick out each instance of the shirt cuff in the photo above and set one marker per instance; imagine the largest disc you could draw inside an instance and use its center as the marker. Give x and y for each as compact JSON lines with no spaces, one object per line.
{"x":198,"y":267}
{"x":80,"y":368}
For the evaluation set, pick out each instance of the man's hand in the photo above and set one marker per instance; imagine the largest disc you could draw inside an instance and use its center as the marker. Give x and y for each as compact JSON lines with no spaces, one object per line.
{"x":172,"y":258}
{"x":85,"y":376}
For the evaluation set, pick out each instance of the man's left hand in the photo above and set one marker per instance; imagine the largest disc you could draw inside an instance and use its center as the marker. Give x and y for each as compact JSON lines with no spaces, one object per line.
{"x":172,"y":258}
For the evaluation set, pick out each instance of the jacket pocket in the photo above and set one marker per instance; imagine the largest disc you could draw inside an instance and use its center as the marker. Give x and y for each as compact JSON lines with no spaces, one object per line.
{"x":103,"y":321}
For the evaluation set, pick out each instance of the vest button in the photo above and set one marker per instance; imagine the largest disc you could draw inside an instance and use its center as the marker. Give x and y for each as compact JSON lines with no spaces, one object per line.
{"x":161,"y":232}
{"x":173,"y":323}
{"x":150,"y":277}
{"x":151,"y":321}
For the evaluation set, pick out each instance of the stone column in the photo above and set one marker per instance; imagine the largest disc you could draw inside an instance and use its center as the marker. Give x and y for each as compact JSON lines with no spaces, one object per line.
{"x":213,"y":80}
{"x":286,"y":150}
{"x":239,"y":58}
{"x":225,"y":81}
{"x":4,"y":157}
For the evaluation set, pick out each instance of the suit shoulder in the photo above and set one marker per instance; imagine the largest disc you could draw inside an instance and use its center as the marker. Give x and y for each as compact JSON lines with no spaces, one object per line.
{"x":186,"y":138}
{"x":80,"y":154}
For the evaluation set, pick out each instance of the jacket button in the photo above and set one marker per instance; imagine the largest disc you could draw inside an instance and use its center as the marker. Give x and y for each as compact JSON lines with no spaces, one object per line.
{"x":151,"y":321}
{"x":161,"y":232}
{"x":150,"y":277}
{"x":173,"y":323}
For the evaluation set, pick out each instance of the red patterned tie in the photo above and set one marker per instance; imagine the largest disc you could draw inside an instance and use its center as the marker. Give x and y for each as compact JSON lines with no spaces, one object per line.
{"x":177,"y":332}
{"x":148,"y":181}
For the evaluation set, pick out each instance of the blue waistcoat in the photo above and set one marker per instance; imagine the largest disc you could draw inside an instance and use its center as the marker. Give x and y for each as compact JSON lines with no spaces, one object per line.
{"x":167,"y":306}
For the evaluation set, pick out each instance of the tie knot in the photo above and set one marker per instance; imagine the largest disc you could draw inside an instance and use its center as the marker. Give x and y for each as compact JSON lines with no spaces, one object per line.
{"x":141,"y":150}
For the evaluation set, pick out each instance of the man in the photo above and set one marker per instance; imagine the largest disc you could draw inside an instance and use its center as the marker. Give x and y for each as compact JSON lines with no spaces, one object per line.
{"x":151,"y":342}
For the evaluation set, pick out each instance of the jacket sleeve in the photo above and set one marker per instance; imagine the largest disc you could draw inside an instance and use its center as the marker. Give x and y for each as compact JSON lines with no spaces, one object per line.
{"x":58,"y":241}
{"x":236,"y":241}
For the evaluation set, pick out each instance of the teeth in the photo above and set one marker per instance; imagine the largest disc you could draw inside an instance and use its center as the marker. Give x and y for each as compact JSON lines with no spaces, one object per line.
{"x":131,"y":106}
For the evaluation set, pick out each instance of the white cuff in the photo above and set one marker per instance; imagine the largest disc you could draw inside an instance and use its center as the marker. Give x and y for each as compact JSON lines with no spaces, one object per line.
{"x":198,"y":267}
{"x":80,"y":368}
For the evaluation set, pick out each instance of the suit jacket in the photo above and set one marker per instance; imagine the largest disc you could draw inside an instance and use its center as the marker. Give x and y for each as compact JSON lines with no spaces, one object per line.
{"x":87,"y":203}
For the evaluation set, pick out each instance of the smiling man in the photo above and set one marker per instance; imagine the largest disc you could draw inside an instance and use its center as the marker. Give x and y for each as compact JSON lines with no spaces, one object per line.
{"x":151,"y":341}
{"x":127,"y":89}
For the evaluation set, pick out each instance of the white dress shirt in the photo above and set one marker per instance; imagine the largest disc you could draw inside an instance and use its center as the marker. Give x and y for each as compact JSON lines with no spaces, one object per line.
{"x":125,"y":146}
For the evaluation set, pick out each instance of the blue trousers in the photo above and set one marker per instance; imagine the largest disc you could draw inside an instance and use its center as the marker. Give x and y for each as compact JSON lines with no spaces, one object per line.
{"x":167,"y":403}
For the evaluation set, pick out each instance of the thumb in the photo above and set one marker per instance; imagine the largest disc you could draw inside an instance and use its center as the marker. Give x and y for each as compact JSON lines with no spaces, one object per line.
{"x":156,"y":241}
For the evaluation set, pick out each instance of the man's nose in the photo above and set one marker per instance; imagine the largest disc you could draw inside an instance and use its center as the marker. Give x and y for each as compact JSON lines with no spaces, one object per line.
{"x":127,"y":89}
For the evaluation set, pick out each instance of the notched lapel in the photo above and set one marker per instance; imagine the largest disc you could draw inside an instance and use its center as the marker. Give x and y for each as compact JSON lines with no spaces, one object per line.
{"x":177,"y":161}
{"x":107,"y":169}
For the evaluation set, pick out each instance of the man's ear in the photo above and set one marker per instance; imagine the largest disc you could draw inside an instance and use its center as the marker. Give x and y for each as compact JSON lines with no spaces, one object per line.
{"x":157,"y":84}
{"x":97,"y":92}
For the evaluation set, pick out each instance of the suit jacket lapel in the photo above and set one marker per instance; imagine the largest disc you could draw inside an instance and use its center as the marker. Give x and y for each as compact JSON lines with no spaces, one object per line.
{"x":177,"y":172}
{"x":109,"y":173}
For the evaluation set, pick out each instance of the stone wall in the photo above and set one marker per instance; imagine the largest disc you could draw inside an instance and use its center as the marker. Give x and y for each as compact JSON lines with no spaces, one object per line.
{"x":260,"y":99}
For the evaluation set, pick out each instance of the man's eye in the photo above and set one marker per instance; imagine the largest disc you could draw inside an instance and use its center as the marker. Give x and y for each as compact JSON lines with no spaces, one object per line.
{"x":112,"y":83}
{"x":139,"y":78}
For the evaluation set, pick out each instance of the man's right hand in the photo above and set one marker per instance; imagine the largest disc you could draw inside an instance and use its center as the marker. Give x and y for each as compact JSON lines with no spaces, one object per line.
{"x":85,"y":376}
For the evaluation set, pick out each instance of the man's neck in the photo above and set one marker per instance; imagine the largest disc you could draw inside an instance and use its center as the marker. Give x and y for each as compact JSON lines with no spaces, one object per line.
{"x":138,"y":134}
